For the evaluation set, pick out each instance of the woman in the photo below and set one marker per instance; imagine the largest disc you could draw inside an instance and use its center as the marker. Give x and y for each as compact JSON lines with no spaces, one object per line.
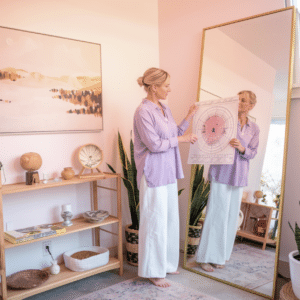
{"x":157,"y":157}
{"x":227,"y":182}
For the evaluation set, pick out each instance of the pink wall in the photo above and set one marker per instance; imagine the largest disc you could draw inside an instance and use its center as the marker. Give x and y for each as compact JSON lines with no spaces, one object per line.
{"x":180,"y":32}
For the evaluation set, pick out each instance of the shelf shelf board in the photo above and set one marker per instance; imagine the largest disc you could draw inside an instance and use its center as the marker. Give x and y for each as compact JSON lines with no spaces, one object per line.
{"x":22,"y":187}
{"x":79,"y":224}
{"x":64,"y":277}
{"x":252,"y":236}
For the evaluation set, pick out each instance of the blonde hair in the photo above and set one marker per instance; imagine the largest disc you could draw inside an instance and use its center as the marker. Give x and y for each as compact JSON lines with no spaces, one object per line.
{"x":152,"y":76}
{"x":251,"y":95}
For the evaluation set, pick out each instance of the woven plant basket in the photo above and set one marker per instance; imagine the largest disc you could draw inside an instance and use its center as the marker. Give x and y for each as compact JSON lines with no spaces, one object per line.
{"x":194,"y":236}
{"x":132,"y":244}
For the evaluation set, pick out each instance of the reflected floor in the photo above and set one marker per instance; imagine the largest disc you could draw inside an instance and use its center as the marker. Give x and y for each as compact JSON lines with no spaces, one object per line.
{"x":249,"y":267}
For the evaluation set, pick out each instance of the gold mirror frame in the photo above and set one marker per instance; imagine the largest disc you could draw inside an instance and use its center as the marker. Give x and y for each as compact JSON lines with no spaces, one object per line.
{"x":289,"y":92}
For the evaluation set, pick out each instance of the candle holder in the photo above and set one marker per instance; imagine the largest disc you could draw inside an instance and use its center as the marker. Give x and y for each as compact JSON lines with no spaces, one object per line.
{"x":66,"y":214}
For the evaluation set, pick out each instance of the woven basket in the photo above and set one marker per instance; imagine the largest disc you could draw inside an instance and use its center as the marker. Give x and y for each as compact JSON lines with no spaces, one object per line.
{"x":286,"y":292}
{"x":132,"y":245}
{"x":27,"y":279}
{"x":194,"y":236}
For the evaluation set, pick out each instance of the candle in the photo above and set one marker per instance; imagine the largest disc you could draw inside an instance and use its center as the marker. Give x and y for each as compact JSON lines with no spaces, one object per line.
{"x":66,"y":207}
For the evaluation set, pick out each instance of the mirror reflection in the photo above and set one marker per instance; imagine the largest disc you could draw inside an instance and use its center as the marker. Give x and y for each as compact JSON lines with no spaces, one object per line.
{"x":232,"y":234}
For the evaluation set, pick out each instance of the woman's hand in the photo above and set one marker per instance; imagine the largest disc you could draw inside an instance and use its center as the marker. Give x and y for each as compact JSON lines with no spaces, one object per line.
{"x":235,"y":143}
{"x":192,"y":112}
{"x":188,"y":138}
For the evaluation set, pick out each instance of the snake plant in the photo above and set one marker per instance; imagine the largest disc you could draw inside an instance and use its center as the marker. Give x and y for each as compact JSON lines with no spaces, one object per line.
{"x":296,"y":232}
{"x":129,"y":180}
{"x":199,"y":194}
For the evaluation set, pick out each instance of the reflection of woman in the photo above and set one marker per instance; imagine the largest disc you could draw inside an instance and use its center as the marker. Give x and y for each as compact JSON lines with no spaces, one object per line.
{"x":157,"y":158}
{"x":227,"y":182}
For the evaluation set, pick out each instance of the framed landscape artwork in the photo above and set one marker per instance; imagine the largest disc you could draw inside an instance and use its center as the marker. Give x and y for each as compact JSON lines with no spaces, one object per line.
{"x":49,"y":84}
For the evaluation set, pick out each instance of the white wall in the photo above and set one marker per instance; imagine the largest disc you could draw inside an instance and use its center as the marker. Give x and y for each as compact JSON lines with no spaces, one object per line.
{"x":128,"y":34}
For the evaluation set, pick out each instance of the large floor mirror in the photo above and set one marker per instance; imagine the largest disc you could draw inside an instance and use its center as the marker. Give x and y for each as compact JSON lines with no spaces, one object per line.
{"x":255,"y":54}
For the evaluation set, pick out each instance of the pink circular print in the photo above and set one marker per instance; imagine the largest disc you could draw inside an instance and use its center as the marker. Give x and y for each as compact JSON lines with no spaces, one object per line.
{"x":213,"y":129}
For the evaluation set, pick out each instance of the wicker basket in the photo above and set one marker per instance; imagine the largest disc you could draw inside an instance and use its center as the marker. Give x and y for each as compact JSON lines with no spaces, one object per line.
{"x":132,"y":245}
{"x":27,"y":279}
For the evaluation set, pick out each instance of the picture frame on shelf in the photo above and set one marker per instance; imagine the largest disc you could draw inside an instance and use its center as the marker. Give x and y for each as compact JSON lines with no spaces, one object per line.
{"x":49,"y":84}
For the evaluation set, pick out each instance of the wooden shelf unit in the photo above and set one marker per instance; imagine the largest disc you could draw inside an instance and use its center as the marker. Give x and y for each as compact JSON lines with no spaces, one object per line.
{"x":250,"y":209}
{"x":65,"y":276}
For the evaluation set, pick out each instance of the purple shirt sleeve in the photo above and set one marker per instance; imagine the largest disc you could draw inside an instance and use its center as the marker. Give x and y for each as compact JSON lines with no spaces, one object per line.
{"x":149,"y":136}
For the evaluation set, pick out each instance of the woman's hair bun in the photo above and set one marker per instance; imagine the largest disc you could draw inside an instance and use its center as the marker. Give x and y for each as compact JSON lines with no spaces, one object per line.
{"x":140,"y":81}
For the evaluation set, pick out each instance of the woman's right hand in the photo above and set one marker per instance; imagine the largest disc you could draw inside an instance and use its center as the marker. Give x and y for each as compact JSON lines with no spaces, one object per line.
{"x":188,"y":138}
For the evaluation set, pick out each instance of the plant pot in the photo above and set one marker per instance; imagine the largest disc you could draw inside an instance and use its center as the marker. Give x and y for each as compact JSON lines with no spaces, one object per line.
{"x":295,"y":272}
{"x":132,"y":244}
{"x":194,"y":236}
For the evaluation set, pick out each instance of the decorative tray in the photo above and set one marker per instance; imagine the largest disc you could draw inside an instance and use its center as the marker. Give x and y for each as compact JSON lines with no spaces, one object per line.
{"x":95,"y":216}
{"x":27,"y":279}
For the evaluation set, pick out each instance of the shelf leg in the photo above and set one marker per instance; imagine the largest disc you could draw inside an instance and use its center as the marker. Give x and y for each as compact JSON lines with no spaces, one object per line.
{"x":2,"y":251}
{"x":95,"y":206}
{"x":119,"y":208}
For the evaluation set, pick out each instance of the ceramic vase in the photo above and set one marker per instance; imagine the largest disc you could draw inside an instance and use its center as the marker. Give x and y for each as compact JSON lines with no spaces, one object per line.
{"x":55,"y":268}
{"x":68,"y":173}
{"x":295,"y":273}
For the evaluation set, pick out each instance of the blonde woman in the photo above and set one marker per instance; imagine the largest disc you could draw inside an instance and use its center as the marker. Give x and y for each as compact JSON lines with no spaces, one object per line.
{"x":157,"y":157}
{"x":226,"y":190}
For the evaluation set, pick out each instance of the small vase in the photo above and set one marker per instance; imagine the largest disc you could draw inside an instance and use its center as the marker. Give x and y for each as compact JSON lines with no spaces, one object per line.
{"x":55,"y":268}
{"x":68,"y":173}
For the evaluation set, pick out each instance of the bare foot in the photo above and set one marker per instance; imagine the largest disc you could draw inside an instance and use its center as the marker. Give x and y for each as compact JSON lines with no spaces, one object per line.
{"x":161,"y":282}
{"x":206,"y":267}
{"x":218,"y":266}
{"x":174,"y":273}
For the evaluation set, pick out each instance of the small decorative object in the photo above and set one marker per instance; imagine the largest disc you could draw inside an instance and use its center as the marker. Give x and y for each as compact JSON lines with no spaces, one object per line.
{"x":67,"y":173}
{"x":95,"y":216}
{"x":258,"y":195}
{"x":240,"y":220}
{"x":27,"y":279}
{"x":55,"y":268}
{"x":66,"y":214}
{"x":90,"y":156}
{"x":84,"y":258}
{"x":46,"y":177}
{"x":31,"y":162}
{"x":260,"y":225}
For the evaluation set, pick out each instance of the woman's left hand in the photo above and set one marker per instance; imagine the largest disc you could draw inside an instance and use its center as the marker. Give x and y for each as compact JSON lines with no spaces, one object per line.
{"x":235,"y":143}
{"x":193,"y":109}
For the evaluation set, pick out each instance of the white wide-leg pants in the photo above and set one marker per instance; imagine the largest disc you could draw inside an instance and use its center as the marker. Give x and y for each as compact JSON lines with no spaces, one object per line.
{"x":158,"y":231}
{"x":220,"y":225}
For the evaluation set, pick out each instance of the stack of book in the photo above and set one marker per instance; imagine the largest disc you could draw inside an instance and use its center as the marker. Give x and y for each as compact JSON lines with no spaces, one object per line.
{"x":31,"y":233}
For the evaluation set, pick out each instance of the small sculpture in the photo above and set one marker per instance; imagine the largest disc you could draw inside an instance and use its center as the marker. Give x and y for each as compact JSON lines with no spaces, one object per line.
{"x":66,"y":214}
{"x":258,"y":195}
{"x":31,"y":162}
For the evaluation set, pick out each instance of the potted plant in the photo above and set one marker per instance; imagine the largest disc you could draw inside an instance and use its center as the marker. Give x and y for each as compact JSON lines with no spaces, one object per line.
{"x":199,"y":196}
{"x":130,"y":182}
{"x":294,"y":260}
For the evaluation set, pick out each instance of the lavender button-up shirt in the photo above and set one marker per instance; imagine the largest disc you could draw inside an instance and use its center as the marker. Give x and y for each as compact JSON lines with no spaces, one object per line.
{"x":237,"y":173}
{"x":156,"y":151}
